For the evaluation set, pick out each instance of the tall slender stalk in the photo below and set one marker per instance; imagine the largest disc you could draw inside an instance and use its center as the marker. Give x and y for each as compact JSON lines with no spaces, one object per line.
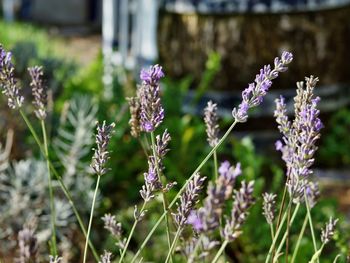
{"x":165,"y":203}
{"x":183,"y":189}
{"x":301,"y":234}
{"x":215,"y":165}
{"x":51,"y":194}
{"x":91,"y":217}
{"x":310,"y":221}
{"x":130,"y":234}
{"x":279,"y":229}
{"x":286,"y":233}
{"x":177,"y":235}
{"x":222,"y":248}
{"x":62,"y":185}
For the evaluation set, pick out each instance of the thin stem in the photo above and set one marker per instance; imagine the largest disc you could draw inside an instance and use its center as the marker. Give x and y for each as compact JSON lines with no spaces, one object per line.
{"x":91,"y":217}
{"x":52,"y":205}
{"x":215,"y":165}
{"x":301,"y":234}
{"x":222,"y":248}
{"x":165,"y":203}
{"x":194,"y":253}
{"x":272,"y":247}
{"x":316,"y":256}
{"x":183,"y":189}
{"x":280,"y":212}
{"x":177,"y":235}
{"x":286,"y":233}
{"x":62,"y":185}
{"x":310,"y":221}
{"x":272,"y":231}
{"x":130,"y":234}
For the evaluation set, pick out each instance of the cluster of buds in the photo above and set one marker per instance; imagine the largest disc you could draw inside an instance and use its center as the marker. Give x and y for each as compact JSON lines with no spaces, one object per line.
{"x":106,"y":257}
{"x":328,"y":233}
{"x":269,"y":201}
{"x":28,"y":245}
{"x":39,"y":91}
{"x":152,"y":112}
{"x":114,"y":228}
{"x":155,"y":167}
{"x":8,"y":82}
{"x":254,"y":94}
{"x":134,"y":122}
{"x":101,"y":155}
{"x":207,"y":218}
{"x":55,"y":259}
{"x":211,"y":123}
{"x":298,"y":144}
{"x":188,"y":200}
{"x":243,"y":200}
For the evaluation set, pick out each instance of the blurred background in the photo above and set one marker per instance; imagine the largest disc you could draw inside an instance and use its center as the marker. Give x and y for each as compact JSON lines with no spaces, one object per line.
{"x":92,"y":52}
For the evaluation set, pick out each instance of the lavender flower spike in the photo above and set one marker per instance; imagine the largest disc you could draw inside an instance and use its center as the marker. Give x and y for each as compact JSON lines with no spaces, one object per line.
{"x":39,"y":91}
{"x":101,"y":155}
{"x":211,"y":123}
{"x":254,"y":94}
{"x":151,"y":110}
{"x":106,"y":257}
{"x":28,"y":245}
{"x":55,"y":259}
{"x":328,"y":233}
{"x":134,"y":122}
{"x":8,"y":83}
{"x":269,"y":201}
{"x":188,"y":200}
{"x":112,"y":226}
{"x":243,"y":200}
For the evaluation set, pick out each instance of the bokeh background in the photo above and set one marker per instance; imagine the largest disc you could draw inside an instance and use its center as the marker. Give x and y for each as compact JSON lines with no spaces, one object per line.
{"x":92,"y":52}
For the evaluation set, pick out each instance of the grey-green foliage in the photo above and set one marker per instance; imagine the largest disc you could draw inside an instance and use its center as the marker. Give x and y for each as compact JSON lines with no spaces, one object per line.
{"x":23,"y":197}
{"x":73,"y":144}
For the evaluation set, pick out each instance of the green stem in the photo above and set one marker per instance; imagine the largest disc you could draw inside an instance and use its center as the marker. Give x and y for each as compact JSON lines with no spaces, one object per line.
{"x":215,"y":165}
{"x":183,"y":189}
{"x":301,"y":234}
{"x":310,"y":222}
{"x":165,"y":205}
{"x":91,"y":217}
{"x":286,"y":233}
{"x":272,"y":247}
{"x":272,"y":231}
{"x":192,"y":257}
{"x":177,"y":235}
{"x":62,"y":185}
{"x":131,"y":234}
{"x":221,"y":250}
{"x":52,"y":205}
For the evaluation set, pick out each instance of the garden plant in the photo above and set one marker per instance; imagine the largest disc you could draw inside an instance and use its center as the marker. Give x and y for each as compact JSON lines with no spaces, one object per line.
{"x":200,"y":217}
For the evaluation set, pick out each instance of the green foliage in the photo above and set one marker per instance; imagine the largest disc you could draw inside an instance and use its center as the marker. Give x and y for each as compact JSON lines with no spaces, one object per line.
{"x":334,"y":150}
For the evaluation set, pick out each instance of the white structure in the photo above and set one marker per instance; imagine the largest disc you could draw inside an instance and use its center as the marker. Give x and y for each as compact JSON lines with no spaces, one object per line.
{"x":129,"y":30}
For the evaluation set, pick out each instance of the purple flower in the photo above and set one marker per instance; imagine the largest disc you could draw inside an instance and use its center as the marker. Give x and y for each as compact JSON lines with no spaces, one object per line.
{"x":188,"y":200}
{"x":8,"y":83}
{"x":151,"y":110}
{"x":152,"y":75}
{"x":298,"y":144}
{"x":194,"y":220}
{"x":254,"y":94}
{"x":278,"y":145}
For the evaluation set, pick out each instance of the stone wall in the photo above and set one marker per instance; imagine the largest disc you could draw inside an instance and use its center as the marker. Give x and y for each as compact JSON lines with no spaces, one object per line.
{"x":319,"y":40}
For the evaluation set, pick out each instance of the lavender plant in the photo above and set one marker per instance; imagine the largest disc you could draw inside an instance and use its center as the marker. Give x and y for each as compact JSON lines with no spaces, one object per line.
{"x":202,"y":224}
